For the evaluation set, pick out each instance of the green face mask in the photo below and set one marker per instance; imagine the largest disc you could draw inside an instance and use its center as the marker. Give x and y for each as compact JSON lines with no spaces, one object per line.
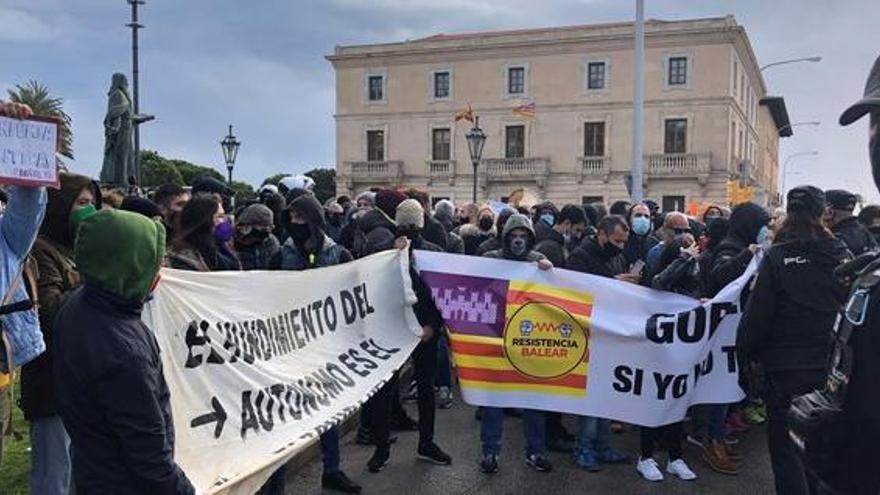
{"x":79,"y":215}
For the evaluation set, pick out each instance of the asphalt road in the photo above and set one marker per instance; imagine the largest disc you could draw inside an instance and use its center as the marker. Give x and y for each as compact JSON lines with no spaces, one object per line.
{"x":458,"y":434}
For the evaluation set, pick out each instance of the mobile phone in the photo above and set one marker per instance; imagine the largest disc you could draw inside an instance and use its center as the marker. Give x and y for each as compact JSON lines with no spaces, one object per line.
{"x":637,"y":267}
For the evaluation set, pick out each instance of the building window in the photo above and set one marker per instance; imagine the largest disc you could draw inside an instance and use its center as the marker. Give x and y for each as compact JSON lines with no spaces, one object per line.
{"x":588,"y":200}
{"x":678,"y":67}
{"x":594,"y":139}
{"x":515,"y":141}
{"x":376,"y":146}
{"x":376,"y":88}
{"x":676,"y":136}
{"x":440,"y":144}
{"x":596,"y":75}
{"x":673,"y":203}
{"x":441,"y":84}
{"x":516,"y":80}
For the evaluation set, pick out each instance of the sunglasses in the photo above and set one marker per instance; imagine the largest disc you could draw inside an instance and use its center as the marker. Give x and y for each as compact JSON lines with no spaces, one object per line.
{"x":681,"y":231}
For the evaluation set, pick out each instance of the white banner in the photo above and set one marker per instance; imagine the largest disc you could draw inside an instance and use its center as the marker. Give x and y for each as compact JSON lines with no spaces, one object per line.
{"x":565,"y":341}
{"x":260,"y":363}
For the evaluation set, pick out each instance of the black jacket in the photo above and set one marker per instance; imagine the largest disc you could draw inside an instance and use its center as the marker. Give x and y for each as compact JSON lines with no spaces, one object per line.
{"x":732,"y":255}
{"x":472,"y":236}
{"x":425,"y":309}
{"x":589,"y":258}
{"x":434,"y":232}
{"x":637,"y":247}
{"x":378,"y":233}
{"x":856,"y":237}
{"x":490,"y":244}
{"x":863,"y":395}
{"x":682,"y":276}
{"x":113,"y":398}
{"x":552,"y":245}
{"x":788,"y":319}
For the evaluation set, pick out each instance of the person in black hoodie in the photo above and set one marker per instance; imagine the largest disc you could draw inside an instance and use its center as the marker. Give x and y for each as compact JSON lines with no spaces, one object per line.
{"x":869,"y":217}
{"x":788,"y":320}
{"x":748,"y":228}
{"x":843,"y":224}
{"x":603,"y":255}
{"x":568,"y":230}
{"x":495,"y":242}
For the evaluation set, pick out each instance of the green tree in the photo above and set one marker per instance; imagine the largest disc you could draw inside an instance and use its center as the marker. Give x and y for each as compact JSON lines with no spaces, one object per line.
{"x":273,"y":179}
{"x":325,"y":183}
{"x":191,"y":171}
{"x":157,"y":171}
{"x":243,"y":192}
{"x":36,"y":96}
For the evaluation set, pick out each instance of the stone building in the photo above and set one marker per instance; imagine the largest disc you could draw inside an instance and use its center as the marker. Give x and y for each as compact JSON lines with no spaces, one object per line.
{"x":709,"y":125}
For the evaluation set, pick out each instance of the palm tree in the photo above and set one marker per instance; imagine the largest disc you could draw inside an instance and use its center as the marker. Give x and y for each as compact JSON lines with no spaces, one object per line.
{"x":36,"y":96}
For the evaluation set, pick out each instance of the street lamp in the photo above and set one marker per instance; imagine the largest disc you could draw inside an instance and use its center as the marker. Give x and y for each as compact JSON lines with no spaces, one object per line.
{"x":230,"y":151}
{"x":789,"y":126}
{"x":789,"y":159}
{"x":792,"y":61}
{"x":476,"y":138}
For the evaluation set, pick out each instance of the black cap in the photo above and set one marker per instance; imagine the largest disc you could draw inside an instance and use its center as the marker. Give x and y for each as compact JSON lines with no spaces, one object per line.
{"x":140,"y":205}
{"x":806,"y":198}
{"x":207,"y":184}
{"x":840,"y":199}
{"x":871,"y":100}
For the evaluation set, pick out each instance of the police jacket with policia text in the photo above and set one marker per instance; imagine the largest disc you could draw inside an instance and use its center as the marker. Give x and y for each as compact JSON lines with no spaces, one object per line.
{"x":789,"y":317}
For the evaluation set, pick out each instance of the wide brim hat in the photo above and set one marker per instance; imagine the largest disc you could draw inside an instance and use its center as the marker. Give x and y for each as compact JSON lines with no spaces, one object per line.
{"x":869,"y":102}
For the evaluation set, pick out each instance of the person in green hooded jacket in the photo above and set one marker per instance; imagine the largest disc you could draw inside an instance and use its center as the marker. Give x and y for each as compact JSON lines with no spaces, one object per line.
{"x":110,"y":387}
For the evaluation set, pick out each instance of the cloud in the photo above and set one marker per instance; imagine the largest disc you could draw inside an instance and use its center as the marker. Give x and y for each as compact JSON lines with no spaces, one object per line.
{"x":20,"y":26}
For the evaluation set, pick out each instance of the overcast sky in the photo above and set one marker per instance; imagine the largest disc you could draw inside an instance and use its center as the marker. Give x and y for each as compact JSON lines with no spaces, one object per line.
{"x":259,"y":65}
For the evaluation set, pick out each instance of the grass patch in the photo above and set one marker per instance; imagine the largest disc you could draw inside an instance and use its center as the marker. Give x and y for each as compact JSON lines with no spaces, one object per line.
{"x":15,"y":468}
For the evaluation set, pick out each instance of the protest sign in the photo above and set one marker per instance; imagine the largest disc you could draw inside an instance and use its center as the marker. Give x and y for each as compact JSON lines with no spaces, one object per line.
{"x":27,"y":151}
{"x":261,"y":363}
{"x":575,"y":343}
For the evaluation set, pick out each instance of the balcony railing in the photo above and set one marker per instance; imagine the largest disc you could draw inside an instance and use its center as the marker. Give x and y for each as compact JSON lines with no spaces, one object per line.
{"x":594,"y":167}
{"x":679,"y":164}
{"x":515,"y":168}
{"x":439,"y":170}
{"x":375,"y":171}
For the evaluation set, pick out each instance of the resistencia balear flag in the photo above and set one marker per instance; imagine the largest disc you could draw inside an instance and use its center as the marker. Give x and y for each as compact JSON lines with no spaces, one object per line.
{"x":564,"y":341}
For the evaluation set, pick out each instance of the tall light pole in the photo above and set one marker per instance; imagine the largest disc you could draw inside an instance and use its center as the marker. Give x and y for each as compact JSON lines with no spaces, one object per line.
{"x":134,"y":25}
{"x":476,"y":138}
{"x":788,"y":160}
{"x":230,"y":145}
{"x":796,"y":124}
{"x":792,"y":61}
{"x":638,"y":104}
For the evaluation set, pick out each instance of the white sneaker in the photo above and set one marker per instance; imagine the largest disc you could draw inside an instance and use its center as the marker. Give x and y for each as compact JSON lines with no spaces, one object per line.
{"x":679,"y":468}
{"x":649,"y":469}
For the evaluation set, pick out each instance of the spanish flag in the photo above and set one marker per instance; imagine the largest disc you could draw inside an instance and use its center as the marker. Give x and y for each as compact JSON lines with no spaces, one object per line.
{"x":527,"y":110}
{"x":465,"y":114}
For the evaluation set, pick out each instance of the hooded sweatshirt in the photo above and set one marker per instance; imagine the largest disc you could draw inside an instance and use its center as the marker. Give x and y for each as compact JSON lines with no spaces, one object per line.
{"x":53,"y":253}
{"x":112,"y":394}
{"x":732,"y":256}
{"x":517,"y":221}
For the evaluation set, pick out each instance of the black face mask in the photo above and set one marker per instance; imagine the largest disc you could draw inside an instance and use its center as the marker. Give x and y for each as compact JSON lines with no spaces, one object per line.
{"x":335,"y":220}
{"x":874,"y":147}
{"x":609,"y":250}
{"x":260,"y":235}
{"x":299,"y":232}
{"x":410,"y":234}
{"x":486,"y":223}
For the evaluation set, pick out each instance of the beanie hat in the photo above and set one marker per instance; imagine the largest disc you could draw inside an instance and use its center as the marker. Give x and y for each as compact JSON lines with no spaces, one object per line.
{"x":256,"y":214}
{"x":368,"y":196}
{"x":806,"y":198}
{"x":387,"y":201}
{"x":840,"y":199}
{"x":410,"y":214}
{"x":140,"y":205}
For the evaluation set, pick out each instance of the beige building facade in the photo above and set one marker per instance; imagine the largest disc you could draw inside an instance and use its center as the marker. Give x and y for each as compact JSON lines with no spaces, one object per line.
{"x":706,"y":126}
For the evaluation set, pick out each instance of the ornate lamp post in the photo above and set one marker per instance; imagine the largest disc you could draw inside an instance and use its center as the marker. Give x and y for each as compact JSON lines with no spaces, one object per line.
{"x":476,"y":138}
{"x":230,"y":151}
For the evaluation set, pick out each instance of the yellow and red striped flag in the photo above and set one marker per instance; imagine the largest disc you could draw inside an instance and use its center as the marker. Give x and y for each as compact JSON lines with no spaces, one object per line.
{"x":467,"y":114}
{"x":527,"y":110}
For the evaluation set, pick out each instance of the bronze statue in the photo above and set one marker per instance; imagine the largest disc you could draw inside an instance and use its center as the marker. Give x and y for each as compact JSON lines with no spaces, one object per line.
{"x":118,"y":145}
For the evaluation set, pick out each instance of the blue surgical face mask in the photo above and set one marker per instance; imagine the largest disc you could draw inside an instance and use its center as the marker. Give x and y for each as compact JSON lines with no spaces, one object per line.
{"x":764,"y":237}
{"x":548,"y":219}
{"x":641,"y":225}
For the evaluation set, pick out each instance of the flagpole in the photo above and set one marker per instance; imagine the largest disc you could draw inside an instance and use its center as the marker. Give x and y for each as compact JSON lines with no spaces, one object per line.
{"x":638,"y":104}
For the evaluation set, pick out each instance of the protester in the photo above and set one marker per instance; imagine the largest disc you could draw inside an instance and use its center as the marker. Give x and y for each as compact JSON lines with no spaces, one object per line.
{"x":747,"y":228}
{"x":111,"y":390}
{"x":496,"y":241}
{"x":640,"y":240}
{"x":335,"y":216}
{"x":142,"y":206}
{"x":199,"y":236}
{"x":433,"y":231}
{"x":255,"y":244}
{"x":675,"y":224}
{"x":839,"y":217}
{"x":567,"y":230}
{"x":444,"y":212}
{"x":602,"y":256}
{"x":77,"y":198}
{"x":210,"y":185}
{"x":620,"y":207}
{"x":711,"y":213}
{"x":474,"y":234}
{"x":869,"y":217}
{"x":309,"y":247}
{"x":171,"y":200}
{"x":410,"y":219}
{"x":112,"y":198}
{"x":518,"y":245}
{"x":467,"y":214}
{"x":787,"y":322}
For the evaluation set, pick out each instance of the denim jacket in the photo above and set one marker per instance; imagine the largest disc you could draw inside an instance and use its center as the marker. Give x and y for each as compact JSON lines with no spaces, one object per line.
{"x":18,"y":229}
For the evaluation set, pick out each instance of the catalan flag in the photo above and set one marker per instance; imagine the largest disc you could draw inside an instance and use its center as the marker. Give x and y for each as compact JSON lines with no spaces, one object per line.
{"x":527,"y":110}
{"x":515,"y":336}
{"x":467,"y":114}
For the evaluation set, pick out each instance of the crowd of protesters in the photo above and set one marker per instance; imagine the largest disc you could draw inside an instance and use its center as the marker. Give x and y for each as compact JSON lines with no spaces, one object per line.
{"x":93,"y":388}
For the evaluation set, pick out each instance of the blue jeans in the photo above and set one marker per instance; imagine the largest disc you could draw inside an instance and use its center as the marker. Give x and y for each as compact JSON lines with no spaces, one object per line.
{"x":329,"y":455}
{"x":50,"y":457}
{"x":443,"y":378}
{"x":594,"y":434}
{"x":533,"y":424}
